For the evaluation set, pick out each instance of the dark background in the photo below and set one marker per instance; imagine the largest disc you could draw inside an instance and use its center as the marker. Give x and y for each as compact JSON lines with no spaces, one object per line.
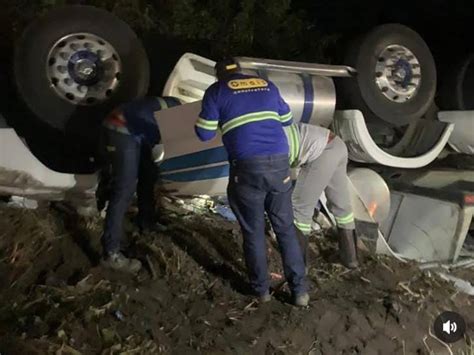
{"x":304,"y":30}
{"x":311,"y":30}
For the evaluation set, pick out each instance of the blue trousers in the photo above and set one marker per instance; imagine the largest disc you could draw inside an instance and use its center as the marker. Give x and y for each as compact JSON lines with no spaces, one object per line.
{"x":259,"y":185}
{"x":132,"y":170}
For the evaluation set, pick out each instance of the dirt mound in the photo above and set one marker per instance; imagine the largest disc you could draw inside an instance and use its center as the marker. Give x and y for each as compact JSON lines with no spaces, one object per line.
{"x":192,"y":296}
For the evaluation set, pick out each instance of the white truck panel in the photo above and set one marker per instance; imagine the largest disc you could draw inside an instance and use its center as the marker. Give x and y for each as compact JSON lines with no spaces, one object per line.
{"x":462,"y":138}
{"x":426,"y":228}
{"x":190,"y":167}
{"x":21,"y":173}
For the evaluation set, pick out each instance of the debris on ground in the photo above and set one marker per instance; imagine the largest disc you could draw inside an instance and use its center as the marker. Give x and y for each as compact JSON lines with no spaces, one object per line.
{"x":19,"y":202}
{"x":222,"y":208}
{"x":460,"y":284}
{"x":192,"y":295}
{"x":199,"y":204}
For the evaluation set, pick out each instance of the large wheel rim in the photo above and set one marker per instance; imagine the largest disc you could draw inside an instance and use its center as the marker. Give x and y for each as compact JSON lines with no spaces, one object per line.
{"x":398,"y":73}
{"x":83,"y":68}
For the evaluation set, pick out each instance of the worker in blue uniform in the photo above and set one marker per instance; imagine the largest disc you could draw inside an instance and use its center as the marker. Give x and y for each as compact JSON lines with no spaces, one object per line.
{"x":130,"y":135}
{"x":250,"y":114}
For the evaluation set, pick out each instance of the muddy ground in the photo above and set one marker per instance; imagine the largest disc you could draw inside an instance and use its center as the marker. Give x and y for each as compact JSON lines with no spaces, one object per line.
{"x":192,"y":296}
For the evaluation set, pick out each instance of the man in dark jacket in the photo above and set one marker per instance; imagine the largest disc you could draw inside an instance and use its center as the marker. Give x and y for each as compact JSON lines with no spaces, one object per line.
{"x":130,"y":134}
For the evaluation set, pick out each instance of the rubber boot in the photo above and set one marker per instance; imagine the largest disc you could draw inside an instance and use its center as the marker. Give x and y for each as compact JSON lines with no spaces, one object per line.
{"x":348,"y":248}
{"x":303,"y":241}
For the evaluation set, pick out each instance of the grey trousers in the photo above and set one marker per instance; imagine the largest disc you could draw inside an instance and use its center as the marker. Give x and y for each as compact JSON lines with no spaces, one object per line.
{"x":327,"y":173}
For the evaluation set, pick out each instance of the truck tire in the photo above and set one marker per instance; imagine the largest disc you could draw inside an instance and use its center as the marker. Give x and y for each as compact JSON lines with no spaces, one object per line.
{"x":74,"y":64}
{"x":457,"y":87}
{"x":396,"y":75}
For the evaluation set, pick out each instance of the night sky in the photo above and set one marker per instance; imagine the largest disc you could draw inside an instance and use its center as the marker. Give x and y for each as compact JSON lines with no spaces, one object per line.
{"x":446,"y":25}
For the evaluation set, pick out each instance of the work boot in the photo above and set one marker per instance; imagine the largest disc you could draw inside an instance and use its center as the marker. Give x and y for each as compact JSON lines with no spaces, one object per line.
{"x":348,"y":248}
{"x":118,"y":262}
{"x":303,"y":241}
{"x":301,"y":300}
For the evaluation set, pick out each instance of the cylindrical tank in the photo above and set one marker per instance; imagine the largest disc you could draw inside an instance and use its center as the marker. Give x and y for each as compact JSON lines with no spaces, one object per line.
{"x":312,"y":98}
{"x":308,"y":88}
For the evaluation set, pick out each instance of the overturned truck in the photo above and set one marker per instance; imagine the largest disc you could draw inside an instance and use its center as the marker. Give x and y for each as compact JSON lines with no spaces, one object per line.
{"x":74,"y":64}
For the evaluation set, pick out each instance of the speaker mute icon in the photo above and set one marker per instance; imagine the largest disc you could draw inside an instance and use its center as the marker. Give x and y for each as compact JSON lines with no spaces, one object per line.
{"x":450,"y":327}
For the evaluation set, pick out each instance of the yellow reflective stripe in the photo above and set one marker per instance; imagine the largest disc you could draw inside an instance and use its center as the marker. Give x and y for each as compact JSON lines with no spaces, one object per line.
{"x":294,"y":145}
{"x":346,"y":219}
{"x":162,"y":102}
{"x":286,"y":118}
{"x":297,"y":140}
{"x":304,"y":227}
{"x":206,"y":124}
{"x":248,"y":118}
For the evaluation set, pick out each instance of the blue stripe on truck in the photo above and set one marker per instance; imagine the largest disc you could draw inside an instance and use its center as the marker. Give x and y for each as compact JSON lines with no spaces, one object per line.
{"x":204,"y":157}
{"x":308,"y":98}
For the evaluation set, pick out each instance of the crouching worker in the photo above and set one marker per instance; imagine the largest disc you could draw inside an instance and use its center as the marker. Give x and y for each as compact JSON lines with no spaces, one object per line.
{"x":250,"y":113}
{"x":130,"y":134}
{"x":322,"y":160}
